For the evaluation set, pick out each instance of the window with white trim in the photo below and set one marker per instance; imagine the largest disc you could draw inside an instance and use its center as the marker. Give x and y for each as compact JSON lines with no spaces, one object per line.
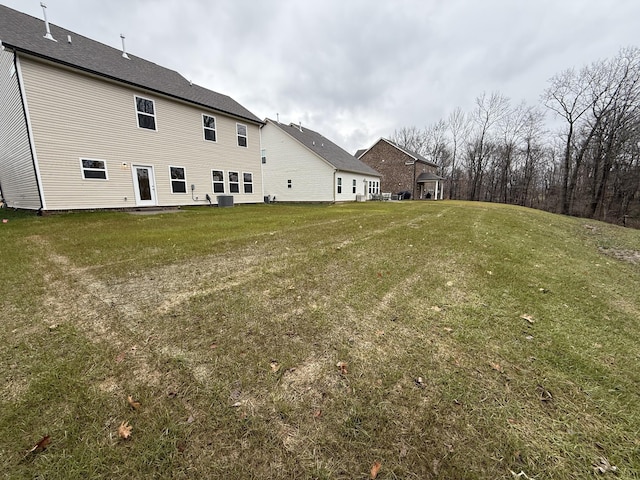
{"x":218,"y":181}
{"x":241,"y":131}
{"x":146,"y":111}
{"x":234,"y":182}
{"x":353,"y":186}
{"x":289,"y":184}
{"x":178,"y":179}
{"x":247,"y":182}
{"x":93,"y":169}
{"x":209,"y":126}
{"x":339,"y":185}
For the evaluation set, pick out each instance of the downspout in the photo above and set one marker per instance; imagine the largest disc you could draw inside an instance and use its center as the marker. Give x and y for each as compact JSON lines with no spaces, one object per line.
{"x":32,"y":147}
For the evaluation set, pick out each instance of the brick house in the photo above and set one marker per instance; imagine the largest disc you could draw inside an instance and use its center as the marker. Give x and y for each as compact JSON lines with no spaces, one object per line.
{"x":403,"y":170}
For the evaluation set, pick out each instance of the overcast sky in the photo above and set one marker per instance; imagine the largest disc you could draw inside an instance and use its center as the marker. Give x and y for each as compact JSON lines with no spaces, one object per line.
{"x":356,"y":70}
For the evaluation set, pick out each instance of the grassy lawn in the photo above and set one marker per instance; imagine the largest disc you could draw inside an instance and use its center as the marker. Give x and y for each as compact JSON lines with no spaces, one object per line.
{"x":474,"y":340}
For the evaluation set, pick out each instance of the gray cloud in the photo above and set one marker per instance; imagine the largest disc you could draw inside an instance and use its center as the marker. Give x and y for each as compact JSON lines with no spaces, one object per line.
{"x":356,"y":70}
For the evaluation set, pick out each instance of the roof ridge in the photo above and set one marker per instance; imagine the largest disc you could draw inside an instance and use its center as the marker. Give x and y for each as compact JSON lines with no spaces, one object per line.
{"x":22,"y":32}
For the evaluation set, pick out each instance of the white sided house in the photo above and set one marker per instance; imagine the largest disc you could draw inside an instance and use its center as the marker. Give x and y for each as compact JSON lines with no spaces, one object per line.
{"x":87,"y":126}
{"x":300,"y":165}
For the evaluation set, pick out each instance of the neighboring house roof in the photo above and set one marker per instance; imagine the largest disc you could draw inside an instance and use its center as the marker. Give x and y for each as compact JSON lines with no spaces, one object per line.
{"x":360,"y":152}
{"x":325,"y":149}
{"x":416,"y":156}
{"x":25,"y":33}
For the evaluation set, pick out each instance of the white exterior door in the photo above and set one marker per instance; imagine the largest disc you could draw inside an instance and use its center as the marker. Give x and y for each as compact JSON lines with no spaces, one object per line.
{"x":144,"y":185}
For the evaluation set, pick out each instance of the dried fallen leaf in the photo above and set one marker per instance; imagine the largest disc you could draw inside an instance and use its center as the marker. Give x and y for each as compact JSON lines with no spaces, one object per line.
{"x":528,"y":318}
{"x":133,"y":403}
{"x":343,"y":367}
{"x":121,"y":356}
{"x":375,"y":469}
{"x":275,"y":366}
{"x":317,"y":413}
{"x":379,"y":333}
{"x":496,"y":366}
{"x":41,"y":445}
{"x":448,"y":329}
{"x":436,"y":308}
{"x":124,"y":430}
{"x":213,"y":345}
{"x":191,"y":419}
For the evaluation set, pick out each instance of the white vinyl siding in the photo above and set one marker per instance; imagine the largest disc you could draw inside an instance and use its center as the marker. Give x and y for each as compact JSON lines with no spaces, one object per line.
{"x":292,"y":172}
{"x":17,"y":172}
{"x":63,"y":94}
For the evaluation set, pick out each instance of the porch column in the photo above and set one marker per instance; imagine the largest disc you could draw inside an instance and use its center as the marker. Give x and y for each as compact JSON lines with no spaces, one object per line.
{"x":435,"y":197}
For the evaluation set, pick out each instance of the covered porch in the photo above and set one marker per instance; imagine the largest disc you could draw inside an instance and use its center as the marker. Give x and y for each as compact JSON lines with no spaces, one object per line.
{"x":429,"y":186}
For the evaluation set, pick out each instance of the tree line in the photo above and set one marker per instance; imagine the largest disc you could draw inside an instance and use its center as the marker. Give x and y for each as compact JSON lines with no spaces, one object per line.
{"x":587,"y":165}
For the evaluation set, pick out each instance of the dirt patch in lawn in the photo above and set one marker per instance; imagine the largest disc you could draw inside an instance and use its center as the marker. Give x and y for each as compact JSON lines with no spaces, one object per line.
{"x":629,"y":256}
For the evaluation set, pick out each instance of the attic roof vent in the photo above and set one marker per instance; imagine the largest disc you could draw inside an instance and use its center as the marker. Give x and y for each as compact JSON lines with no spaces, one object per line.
{"x":69,"y":39}
{"x":48,"y":35}
{"x":124,"y":50}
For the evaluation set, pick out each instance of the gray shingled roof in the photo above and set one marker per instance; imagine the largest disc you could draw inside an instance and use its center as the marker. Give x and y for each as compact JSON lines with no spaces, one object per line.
{"x":326,"y":149}
{"x":25,"y":33}
{"x":415,"y":155}
{"x":428,"y":176}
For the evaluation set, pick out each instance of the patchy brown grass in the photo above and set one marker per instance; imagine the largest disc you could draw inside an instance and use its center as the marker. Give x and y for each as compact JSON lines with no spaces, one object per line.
{"x":228,"y":327}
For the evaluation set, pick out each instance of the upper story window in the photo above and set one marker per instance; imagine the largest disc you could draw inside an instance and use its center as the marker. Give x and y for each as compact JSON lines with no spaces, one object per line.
{"x":178,"y":180}
{"x":93,"y":169}
{"x":209,"y":125}
{"x":146,"y":110}
{"x":241,"y":130}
